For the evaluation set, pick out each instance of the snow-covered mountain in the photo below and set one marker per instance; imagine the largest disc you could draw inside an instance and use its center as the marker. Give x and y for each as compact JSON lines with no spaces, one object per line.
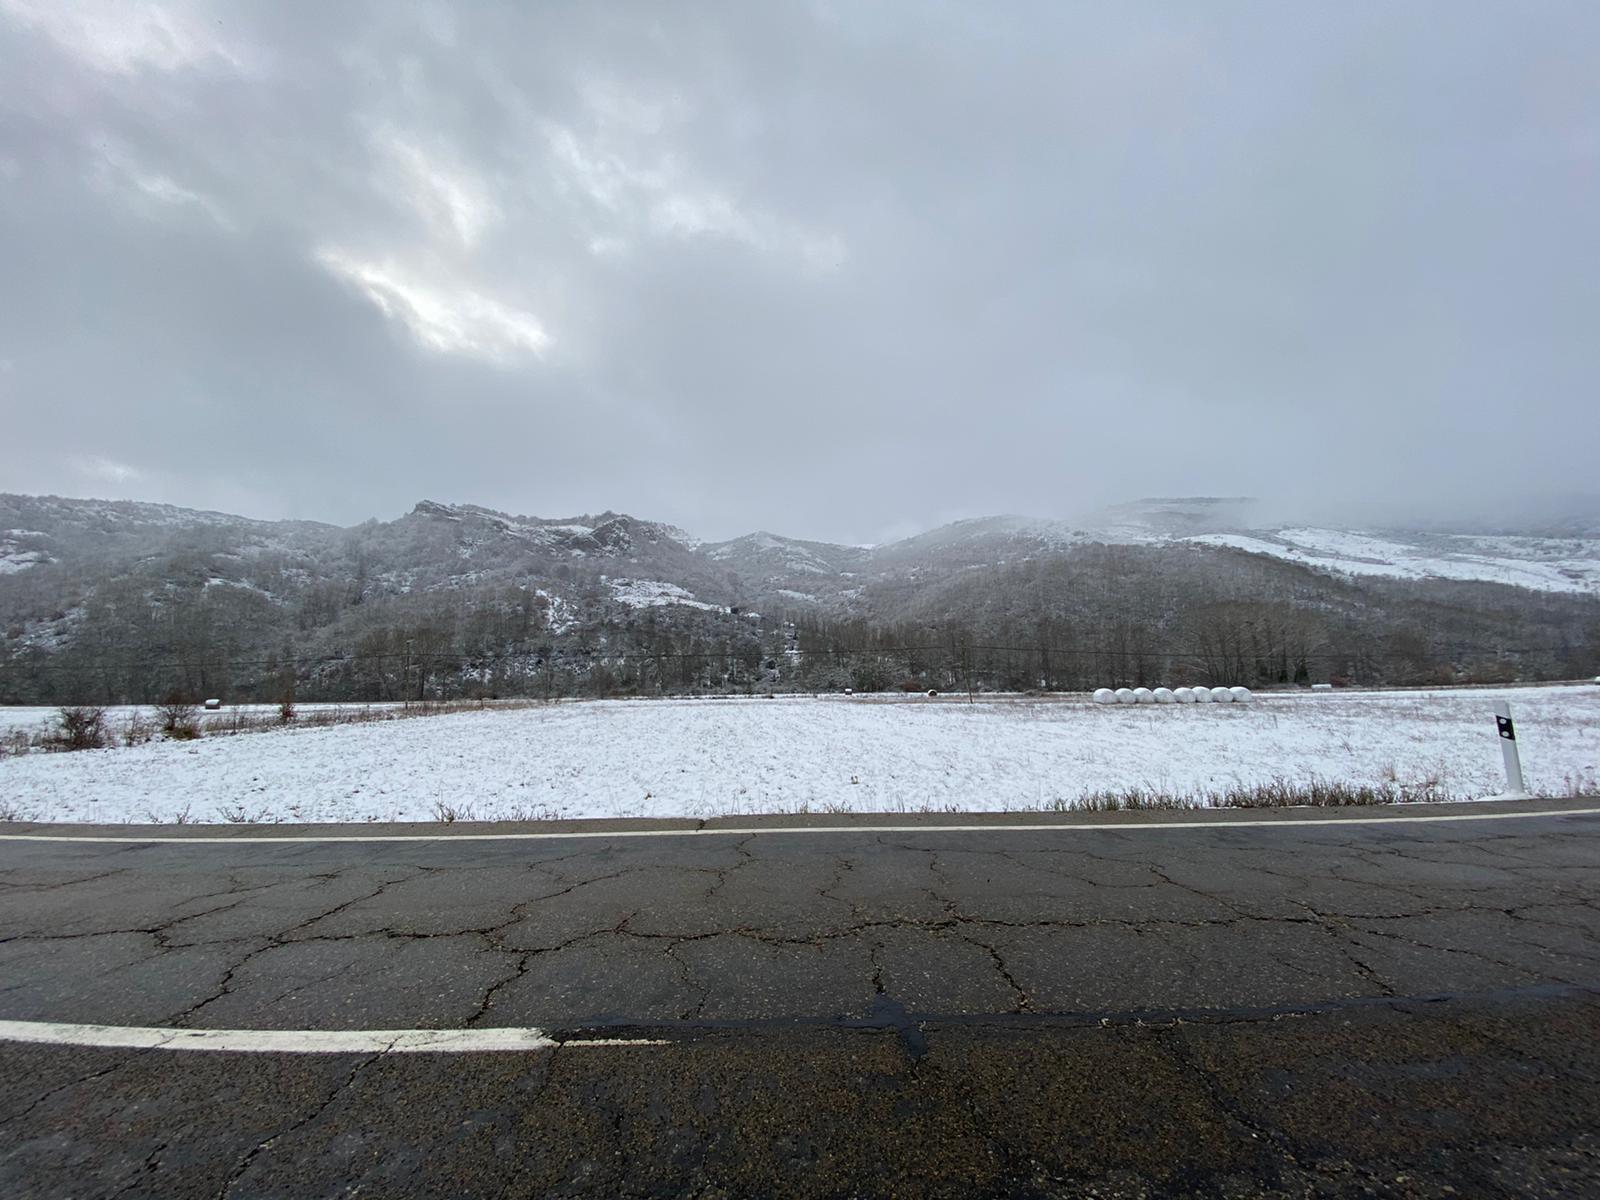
{"x":1556,"y":555}
{"x":89,"y":583}
{"x":442,"y":546}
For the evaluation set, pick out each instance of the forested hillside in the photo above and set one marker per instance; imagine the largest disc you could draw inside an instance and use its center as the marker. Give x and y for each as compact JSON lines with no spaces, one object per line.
{"x":111,"y":601}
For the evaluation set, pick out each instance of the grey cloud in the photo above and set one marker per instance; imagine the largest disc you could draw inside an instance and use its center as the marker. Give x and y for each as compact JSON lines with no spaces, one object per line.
{"x":832,"y":269}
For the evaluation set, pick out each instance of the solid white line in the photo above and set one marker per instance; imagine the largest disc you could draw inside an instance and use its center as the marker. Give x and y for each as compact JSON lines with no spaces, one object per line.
{"x":758,"y":830}
{"x":295,"y":1041}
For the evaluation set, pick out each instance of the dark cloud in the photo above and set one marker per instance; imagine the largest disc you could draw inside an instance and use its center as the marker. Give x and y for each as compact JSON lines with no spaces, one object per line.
{"x":838,"y":270}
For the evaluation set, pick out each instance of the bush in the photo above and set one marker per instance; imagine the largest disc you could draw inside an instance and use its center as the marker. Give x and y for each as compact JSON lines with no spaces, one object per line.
{"x":180,"y":719}
{"x":137,"y":731}
{"x":82,"y":728}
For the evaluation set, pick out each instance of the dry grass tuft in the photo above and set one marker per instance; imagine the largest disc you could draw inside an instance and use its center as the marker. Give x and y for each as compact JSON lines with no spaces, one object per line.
{"x":1280,"y":793}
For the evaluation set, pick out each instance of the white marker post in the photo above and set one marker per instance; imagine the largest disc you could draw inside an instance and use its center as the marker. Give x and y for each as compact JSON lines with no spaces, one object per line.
{"x":1508,"y":747}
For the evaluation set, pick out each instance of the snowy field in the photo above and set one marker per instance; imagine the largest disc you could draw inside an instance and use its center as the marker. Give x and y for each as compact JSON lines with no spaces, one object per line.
{"x":1543,"y":564}
{"x":710,"y":757}
{"x":36,"y":719}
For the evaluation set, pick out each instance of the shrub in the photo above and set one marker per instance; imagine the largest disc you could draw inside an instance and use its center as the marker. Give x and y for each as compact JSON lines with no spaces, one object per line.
{"x":179,"y":718}
{"x":137,"y":731}
{"x":83,"y":727}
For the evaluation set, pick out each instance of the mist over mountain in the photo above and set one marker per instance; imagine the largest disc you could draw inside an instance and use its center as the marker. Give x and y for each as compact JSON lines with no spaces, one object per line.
{"x":118,"y":600}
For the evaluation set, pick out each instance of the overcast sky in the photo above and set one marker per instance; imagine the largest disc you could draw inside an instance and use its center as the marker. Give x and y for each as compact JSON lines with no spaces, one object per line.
{"x":837,"y":269}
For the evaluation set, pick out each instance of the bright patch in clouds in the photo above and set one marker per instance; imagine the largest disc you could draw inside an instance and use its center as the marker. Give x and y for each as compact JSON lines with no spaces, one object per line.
{"x":117,"y":171}
{"x":637,"y":191}
{"x":687,"y":214}
{"x":447,"y":318}
{"x":126,"y":36}
{"x":107,"y":470}
{"x":709,"y":214}
{"x":452,"y":200}
{"x":605,"y":179}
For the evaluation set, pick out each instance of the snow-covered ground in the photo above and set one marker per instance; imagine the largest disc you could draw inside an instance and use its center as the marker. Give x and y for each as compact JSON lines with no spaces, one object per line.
{"x":33,"y":719}
{"x":719,"y":756}
{"x":652,"y":593}
{"x":21,"y":549}
{"x":1542,"y":564}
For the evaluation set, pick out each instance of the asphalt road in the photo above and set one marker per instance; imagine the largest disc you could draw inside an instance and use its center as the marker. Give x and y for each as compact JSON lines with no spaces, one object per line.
{"x":1284,"y":1007}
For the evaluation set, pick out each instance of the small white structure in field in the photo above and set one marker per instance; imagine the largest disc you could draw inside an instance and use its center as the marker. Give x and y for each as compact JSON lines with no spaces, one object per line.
{"x":1241,"y":695}
{"x":213,"y":704}
{"x":1183,"y":695}
{"x":1322,"y":687}
{"x":1143,"y":695}
{"x":1221,"y":695}
{"x":1104,"y":696}
{"x":1126,"y":696}
{"x":1164,"y":696}
{"x":1515,"y":788}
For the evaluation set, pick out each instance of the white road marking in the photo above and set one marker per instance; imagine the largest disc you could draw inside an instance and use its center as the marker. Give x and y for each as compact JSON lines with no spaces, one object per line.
{"x":297,"y":1041}
{"x":758,"y":830}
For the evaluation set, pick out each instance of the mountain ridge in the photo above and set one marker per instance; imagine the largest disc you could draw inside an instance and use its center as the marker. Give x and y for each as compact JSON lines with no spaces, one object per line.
{"x":115,"y":596}
{"x":1534,"y":560}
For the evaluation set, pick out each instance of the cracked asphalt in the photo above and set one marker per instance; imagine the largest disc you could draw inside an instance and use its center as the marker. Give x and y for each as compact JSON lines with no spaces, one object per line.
{"x":1390,"y":1008}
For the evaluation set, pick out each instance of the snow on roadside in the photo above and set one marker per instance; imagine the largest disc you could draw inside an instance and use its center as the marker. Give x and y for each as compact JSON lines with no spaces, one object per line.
{"x":712,"y":757}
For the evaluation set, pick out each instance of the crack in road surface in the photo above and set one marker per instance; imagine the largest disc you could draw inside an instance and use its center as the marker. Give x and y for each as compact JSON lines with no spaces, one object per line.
{"x":934,"y":943}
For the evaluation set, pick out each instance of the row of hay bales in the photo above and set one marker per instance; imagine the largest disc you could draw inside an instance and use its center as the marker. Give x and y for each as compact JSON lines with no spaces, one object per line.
{"x":1183,"y":695}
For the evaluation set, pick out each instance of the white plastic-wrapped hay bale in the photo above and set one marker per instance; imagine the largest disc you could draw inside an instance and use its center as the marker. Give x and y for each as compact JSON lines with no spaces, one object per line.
{"x":1183,"y":695}
{"x":1164,"y":696}
{"x":1104,"y":696}
{"x":1241,"y":695}
{"x":1126,"y":696}
{"x":1143,"y":695}
{"x":1203,"y":695}
{"x":1221,"y":695}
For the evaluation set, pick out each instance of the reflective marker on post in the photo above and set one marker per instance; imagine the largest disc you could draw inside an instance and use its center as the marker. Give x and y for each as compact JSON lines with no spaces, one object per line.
{"x":1508,"y":747}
